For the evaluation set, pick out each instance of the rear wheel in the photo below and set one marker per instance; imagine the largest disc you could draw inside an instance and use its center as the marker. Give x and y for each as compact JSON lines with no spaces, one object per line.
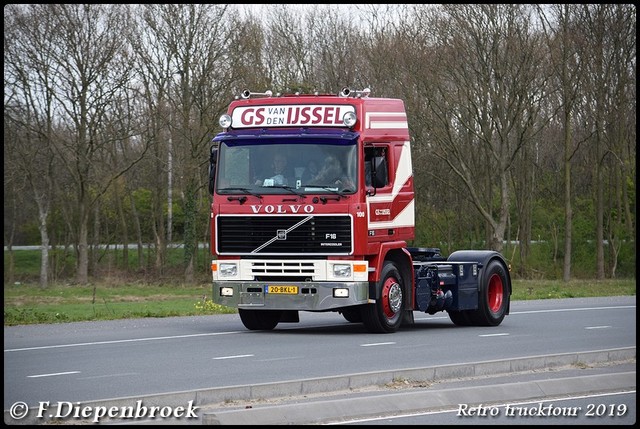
{"x":259,"y":320}
{"x":493,"y":297}
{"x":385,"y":316}
{"x":460,"y":318}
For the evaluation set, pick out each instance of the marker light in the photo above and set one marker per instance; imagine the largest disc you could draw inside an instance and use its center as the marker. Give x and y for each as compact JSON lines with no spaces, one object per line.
{"x":225,"y":121}
{"x":341,"y":293}
{"x":349,"y":119}
{"x":226,"y":291}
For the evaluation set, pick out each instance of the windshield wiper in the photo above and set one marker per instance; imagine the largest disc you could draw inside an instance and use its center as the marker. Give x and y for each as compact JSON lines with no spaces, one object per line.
{"x":339,"y":193}
{"x":245,"y":190}
{"x":288,"y":188}
{"x":333,"y":190}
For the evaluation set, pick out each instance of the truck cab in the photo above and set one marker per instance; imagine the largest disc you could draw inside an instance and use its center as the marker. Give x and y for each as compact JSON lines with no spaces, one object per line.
{"x":312,"y":208}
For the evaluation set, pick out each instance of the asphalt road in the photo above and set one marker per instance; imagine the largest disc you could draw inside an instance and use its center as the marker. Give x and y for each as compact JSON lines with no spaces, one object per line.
{"x":213,"y":360}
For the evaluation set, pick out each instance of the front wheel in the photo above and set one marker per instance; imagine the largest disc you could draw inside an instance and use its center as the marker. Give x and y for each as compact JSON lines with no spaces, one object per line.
{"x":259,"y":320}
{"x":493,"y":297}
{"x":385,"y":316}
{"x":352,"y":314}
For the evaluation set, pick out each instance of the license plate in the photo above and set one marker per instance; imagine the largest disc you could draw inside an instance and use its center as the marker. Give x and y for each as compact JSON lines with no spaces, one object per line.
{"x":290,"y":290}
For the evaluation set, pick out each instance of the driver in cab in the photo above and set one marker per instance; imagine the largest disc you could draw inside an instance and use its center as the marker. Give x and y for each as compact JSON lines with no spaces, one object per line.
{"x":278,"y":172}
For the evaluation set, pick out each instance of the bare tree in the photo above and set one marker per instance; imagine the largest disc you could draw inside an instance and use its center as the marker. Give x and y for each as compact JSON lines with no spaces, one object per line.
{"x":186,"y":67}
{"x":611,"y":59}
{"x":288,"y":46}
{"x":29,"y":106}
{"x":482,"y":111}
{"x":79,"y":54}
{"x":155,"y":66}
{"x":14,"y":188}
{"x":564,"y":41}
{"x":89,"y":87}
{"x":335,"y":44}
{"x":387,"y":35}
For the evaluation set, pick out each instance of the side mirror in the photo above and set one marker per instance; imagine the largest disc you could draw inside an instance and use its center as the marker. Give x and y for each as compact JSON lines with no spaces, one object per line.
{"x":213,"y":159}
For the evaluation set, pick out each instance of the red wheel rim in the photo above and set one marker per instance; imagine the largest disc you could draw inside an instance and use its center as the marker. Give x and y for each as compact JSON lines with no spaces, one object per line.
{"x":391,"y":297}
{"x":495,"y":293}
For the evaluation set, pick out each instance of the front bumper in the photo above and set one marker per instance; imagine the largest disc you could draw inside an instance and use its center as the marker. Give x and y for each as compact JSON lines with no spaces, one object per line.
{"x":310,"y":296}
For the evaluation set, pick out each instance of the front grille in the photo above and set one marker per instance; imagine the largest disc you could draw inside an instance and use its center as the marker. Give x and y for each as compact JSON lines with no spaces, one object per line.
{"x":284,"y":270}
{"x":284,"y":235}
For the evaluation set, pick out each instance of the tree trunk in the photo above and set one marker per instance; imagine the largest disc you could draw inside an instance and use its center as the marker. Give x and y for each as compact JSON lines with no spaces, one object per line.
{"x":136,"y":222}
{"x":599,"y":213}
{"x":568,"y":211}
{"x":44,"y":246}
{"x":190,"y":236}
{"x":95,"y":250}
{"x":124,"y":235}
{"x":82,"y":272}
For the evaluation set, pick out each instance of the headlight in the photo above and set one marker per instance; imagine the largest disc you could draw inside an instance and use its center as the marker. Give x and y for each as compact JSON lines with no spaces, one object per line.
{"x":342,"y":270}
{"x":228,"y":270}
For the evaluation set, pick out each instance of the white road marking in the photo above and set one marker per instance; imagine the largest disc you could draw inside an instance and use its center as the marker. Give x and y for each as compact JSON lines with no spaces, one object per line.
{"x":377,"y":344}
{"x":232,"y":357}
{"x":53,"y":374}
{"x":131,"y":340}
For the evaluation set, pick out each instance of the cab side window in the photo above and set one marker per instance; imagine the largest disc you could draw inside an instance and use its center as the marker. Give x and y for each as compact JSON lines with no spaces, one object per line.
{"x":376,"y":167}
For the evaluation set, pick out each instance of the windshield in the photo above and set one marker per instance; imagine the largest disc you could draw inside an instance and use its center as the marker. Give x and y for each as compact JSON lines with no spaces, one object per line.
{"x":286,"y":168}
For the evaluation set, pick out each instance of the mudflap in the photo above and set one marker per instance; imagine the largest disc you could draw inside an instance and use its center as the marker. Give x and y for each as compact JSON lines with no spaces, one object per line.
{"x":407,"y":318}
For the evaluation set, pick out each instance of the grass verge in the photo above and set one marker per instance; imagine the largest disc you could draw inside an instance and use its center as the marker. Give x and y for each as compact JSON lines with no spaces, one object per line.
{"x":29,"y":304}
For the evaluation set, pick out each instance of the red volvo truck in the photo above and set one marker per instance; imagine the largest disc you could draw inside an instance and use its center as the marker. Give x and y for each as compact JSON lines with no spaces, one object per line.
{"x":312,"y":208}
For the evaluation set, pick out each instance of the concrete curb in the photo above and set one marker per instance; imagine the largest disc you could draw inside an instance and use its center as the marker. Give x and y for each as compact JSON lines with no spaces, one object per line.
{"x":413,"y":402}
{"x":432,"y":373}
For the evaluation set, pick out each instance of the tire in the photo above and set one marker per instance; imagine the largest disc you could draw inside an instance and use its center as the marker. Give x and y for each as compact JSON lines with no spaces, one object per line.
{"x":459,"y":318}
{"x":259,"y":320}
{"x":493,"y":296}
{"x":385,"y":316}
{"x":352,"y":314}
